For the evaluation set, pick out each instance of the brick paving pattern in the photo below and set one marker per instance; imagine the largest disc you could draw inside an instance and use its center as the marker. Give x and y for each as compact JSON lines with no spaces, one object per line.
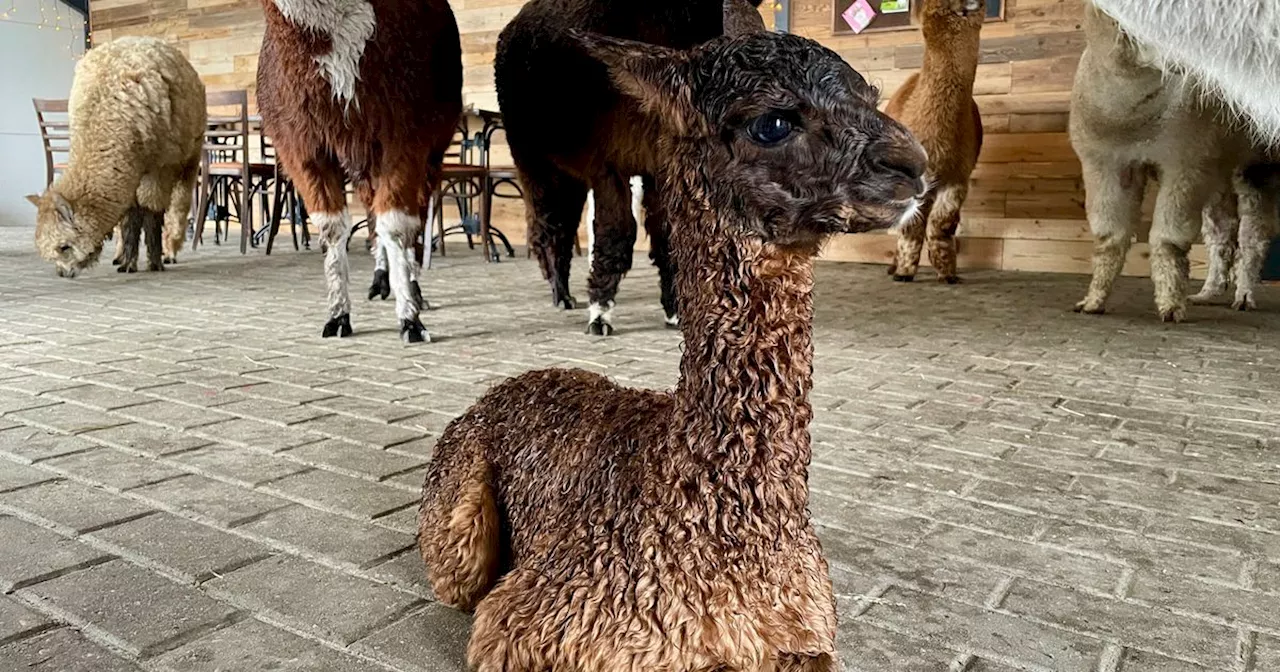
{"x":191,"y":479}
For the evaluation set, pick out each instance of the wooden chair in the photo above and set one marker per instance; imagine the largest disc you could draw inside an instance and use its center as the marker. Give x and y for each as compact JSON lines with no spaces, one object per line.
{"x":55,"y":134}
{"x":495,"y":177}
{"x":226,"y":167}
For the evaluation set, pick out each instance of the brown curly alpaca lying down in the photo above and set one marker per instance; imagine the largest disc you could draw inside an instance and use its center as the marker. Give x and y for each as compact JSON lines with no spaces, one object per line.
{"x":593,"y":527}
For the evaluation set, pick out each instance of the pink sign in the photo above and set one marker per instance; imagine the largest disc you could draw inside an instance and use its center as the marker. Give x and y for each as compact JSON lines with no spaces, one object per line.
{"x":859,"y":15}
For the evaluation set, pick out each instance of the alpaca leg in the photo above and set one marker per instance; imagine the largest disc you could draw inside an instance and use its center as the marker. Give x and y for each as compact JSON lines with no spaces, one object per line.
{"x":655,"y":224}
{"x":615,"y":238}
{"x":130,"y":238}
{"x":1258,"y":227}
{"x":319,"y":180}
{"x":118,"y":255}
{"x":553,"y":207}
{"x":906,"y":261}
{"x":1113,"y":202}
{"x":153,"y":227}
{"x":1221,"y":222}
{"x":1178,"y":217}
{"x":944,"y":219}
{"x":508,"y":631}
{"x":175,"y":216}
{"x":396,"y":230}
{"x":381,"y":287}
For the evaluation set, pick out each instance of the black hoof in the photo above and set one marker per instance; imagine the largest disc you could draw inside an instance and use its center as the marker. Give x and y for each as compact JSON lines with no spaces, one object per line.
{"x":412,"y":331}
{"x":566,"y":302}
{"x":415,"y":291}
{"x":126,"y":269}
{"x":950,"y":279}
{"x":115,"y":262}
{"x":381,"y":287}
{"x":155,"y":269}
{"x":598,"y":327}
{"x":339,"y":326}
{"x":169,"y":260}
{"x":903,"y":278}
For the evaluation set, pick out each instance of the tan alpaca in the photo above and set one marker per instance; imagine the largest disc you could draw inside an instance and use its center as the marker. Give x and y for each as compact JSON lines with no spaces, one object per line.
{"x":1238,"y":230}
{"x":937,"y":105}
{"x":1129,"y":119}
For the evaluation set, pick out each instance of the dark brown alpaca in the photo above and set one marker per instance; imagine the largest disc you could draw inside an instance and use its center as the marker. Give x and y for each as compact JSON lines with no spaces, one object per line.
{"x":370,"y":90}
{"x":593,"y":527}
{"x":937,"y":105}
{"x":571,"y":131}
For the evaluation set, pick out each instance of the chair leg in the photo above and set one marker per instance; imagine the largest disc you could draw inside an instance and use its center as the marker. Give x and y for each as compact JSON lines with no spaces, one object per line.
{"x":276,"y":211}
{"x":489,"y":251}
{"x":246,"y":215}
{"x":202,"y":212}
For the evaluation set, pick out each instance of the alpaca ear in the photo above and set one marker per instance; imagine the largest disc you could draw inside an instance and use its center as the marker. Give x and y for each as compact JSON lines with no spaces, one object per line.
{"x":740,"y":18}
{"x":33,"y":199}
{"x":656,"y":77}
{"x":65,"y":214}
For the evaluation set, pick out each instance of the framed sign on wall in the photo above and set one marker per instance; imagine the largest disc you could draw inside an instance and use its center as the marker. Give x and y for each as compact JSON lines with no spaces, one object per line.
{"x":850,"y":17}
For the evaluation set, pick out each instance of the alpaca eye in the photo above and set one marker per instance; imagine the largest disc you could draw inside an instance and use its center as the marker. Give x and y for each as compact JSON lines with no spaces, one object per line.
{"x":64,"y":249}
{"x":769,"y":129}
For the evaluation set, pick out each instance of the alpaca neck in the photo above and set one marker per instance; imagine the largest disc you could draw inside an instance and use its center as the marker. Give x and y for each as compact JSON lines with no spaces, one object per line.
{"x":740,"y":427}
{"x":950,"y":64}
{"x":101,"y":196}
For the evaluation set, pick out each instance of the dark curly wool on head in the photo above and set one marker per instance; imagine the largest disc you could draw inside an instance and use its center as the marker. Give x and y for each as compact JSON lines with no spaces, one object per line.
{"x":593,"y":527}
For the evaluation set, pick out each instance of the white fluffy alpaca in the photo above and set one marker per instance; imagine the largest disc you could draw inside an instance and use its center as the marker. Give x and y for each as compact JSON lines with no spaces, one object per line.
{"x":1229,"y":46}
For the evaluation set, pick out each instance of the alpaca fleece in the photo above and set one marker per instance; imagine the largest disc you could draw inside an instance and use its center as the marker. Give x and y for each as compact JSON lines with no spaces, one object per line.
{"x":937,"y":105}
{"x":366,"y":90}
{"x":594,"y":138}
{"x":594,"y":527}
{"x":1131,"y":120}
{"x":137,"y":123}
{"x":1230,"y":48}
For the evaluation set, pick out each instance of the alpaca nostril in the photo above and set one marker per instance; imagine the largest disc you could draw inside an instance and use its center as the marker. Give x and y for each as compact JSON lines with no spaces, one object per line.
{"x":907,"y":164}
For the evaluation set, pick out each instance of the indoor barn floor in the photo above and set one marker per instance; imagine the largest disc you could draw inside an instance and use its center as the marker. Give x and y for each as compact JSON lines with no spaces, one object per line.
{"x":191,"y":479}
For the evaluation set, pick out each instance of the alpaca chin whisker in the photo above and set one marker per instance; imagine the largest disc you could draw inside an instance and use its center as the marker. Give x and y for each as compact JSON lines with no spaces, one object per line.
{"x":909,"y":215}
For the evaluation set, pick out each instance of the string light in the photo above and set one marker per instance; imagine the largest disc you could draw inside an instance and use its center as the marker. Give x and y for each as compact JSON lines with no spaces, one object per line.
{"x":9,"y":12}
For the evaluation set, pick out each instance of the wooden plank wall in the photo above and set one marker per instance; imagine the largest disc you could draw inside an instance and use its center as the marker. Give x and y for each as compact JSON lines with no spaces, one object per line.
{"x":1026,"y":207}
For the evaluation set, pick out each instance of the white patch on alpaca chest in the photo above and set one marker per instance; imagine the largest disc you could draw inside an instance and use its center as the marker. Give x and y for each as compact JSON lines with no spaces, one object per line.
{"x":348,"y":24}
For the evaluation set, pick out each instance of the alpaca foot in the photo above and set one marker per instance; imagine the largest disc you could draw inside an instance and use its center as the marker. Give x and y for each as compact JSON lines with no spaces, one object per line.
{"x":672,"y":321}
{"x":600,"y":319}
{"x":903,"y":278}
{"x":949,"y":279}
{"x":155,"y":267}
{"x":1174,"y":314}
{"x":115,"y":262}
{"x":416,"y":293}
{"x":1244,"y":301}
{"x":566,"y":302}
{"x":1090,"y":307}
{"x":1207,"y":294}
{"x":168,"y":260}
{"x":381,"y":287}
{"x":339,"y":326}
{"x":131,"y":267}
{"x":412,"y":331}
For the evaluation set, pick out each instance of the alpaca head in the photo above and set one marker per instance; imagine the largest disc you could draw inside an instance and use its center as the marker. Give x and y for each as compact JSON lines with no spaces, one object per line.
{"x":61,"y":235}
{"x":775,"y":129}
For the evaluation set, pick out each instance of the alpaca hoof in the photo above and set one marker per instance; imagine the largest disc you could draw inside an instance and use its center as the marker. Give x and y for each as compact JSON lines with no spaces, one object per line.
{"x":339,"y":326}
{"x":1174,"y":315}
{"x":1089,"y":308}
{"x":169,"y":261}
{"x":126,"y":268}
{"x":949,"y":279}
{"x":598,"y":327}
{"x":412,"y":331}
{"x":903,"y":278}
{"x":115,"y":262}
{"x":1205,"y":296}
{"x":155,"y":268}
{"x":1244,"y":303}
{"x":893,"y":269}
{"x":381,"y":287}
{"x":566,"y":302}
{"x":672,"y":321}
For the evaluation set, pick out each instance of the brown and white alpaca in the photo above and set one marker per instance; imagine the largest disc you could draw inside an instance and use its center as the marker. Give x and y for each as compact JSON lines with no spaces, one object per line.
{"x":1129,"y":118}
{"x":595,"y":138}
{"x":937,"y":105}
{"x":1238,"y":229}
{"x":595,"y":527}
{"x":370,"y":90}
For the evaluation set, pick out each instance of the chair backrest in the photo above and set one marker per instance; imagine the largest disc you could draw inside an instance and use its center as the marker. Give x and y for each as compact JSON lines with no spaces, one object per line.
{"x":227,"y":137}
{"x":55,"y":131}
